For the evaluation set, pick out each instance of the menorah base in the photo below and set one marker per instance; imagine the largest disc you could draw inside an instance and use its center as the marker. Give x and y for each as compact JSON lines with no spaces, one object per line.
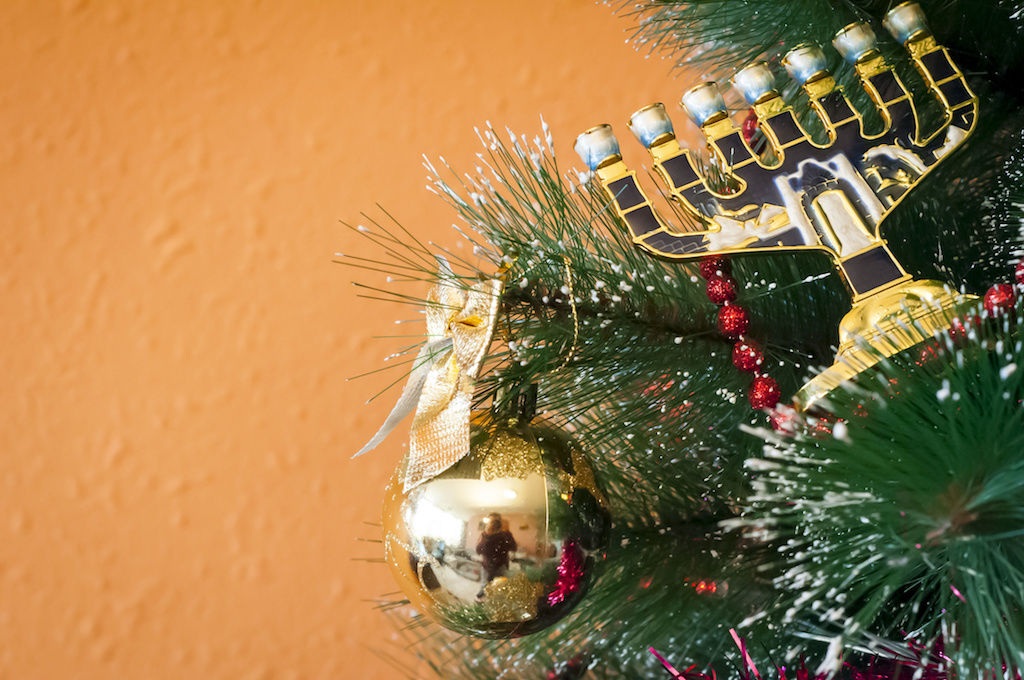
{"x":882,"y":325}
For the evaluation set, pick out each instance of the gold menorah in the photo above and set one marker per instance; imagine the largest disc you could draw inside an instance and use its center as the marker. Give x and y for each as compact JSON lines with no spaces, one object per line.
{"x":808,"y":196}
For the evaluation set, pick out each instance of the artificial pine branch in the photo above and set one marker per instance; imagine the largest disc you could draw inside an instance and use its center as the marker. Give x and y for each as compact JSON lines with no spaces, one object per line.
{"x":648,"y":388}
{"x":907,"y":521}
{"x":720,"y":36}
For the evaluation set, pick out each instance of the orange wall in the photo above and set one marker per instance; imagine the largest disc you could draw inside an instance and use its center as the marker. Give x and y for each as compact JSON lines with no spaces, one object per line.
{"x":176,"y":498}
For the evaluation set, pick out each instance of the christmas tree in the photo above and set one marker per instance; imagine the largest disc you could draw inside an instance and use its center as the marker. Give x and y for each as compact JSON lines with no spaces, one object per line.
{"x":717,"y":484}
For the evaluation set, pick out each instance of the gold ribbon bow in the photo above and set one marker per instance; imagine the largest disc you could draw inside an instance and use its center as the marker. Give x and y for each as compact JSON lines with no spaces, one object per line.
{"x":460,"y":324}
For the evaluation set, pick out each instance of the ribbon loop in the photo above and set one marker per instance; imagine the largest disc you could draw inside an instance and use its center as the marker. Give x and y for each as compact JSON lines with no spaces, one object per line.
{"x":460,"y":324}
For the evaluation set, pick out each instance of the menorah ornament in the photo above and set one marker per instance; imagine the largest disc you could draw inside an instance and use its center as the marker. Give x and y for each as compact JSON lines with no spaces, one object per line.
{"x":830,"y":197}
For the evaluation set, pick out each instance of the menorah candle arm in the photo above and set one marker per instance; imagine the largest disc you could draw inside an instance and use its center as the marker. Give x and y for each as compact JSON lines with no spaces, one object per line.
{"x":835,"y":112}
{"x":599,"y":149}
{"x":646,"y":226}
{"x":830,"y":195}
{"x":892,"y":99}
{"x":779,"y":126}
{"x":732,"y":155}
{"x":685,"y":182}
{"x":947,"y":83}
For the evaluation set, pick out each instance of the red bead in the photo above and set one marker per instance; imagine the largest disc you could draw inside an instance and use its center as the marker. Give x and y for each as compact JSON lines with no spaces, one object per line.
{"x":929,"y":353}
{"x":746,"y":356}
{"x":721,"y":289}
{"x":825,"y":425}
{"x":999,"y":297}
{"x":732,"y":321}
{"x":763,"y":392}
{"x":958,"y":327}
{"x":784,"y":419}
{"x":1018,"y":274}
{"x":714,"y":266}
{"x":750,"y":125}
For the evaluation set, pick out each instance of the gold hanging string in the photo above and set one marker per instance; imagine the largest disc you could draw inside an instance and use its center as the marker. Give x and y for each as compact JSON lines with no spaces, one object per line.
{"x":575,"y":315}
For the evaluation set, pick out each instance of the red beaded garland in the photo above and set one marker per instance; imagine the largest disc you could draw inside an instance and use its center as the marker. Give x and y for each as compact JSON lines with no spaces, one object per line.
{"x":732,"y":321}
{"x":999,"y":297}
{"x":764,"y":392}
{"x":746,"y":356}
{"x":721,"y":289}
{"x":714,"y":266}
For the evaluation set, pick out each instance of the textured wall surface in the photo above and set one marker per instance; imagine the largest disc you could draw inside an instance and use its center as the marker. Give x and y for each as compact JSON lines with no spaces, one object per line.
{"x":176,"y":498}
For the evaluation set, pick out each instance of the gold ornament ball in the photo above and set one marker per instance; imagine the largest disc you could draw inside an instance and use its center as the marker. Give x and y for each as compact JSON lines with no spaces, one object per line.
{"x":505,"y":542}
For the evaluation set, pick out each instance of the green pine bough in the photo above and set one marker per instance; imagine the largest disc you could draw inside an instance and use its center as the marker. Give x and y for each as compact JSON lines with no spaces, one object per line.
{"x":907,"y":519}
{"x":894,"y":532}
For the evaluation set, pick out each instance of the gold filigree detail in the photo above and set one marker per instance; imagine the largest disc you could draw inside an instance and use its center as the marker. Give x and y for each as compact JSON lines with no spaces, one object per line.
{"x":510,"y":455}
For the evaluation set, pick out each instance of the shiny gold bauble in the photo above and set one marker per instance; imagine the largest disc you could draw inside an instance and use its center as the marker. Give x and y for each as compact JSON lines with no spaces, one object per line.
{"x":505,"y":542}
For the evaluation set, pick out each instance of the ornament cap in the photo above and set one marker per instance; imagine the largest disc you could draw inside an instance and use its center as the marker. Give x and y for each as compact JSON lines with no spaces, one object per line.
{"x":515,"y":402}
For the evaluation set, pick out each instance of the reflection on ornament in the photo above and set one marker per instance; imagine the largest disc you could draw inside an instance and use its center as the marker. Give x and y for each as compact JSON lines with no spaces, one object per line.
{"x":505,"y":542}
